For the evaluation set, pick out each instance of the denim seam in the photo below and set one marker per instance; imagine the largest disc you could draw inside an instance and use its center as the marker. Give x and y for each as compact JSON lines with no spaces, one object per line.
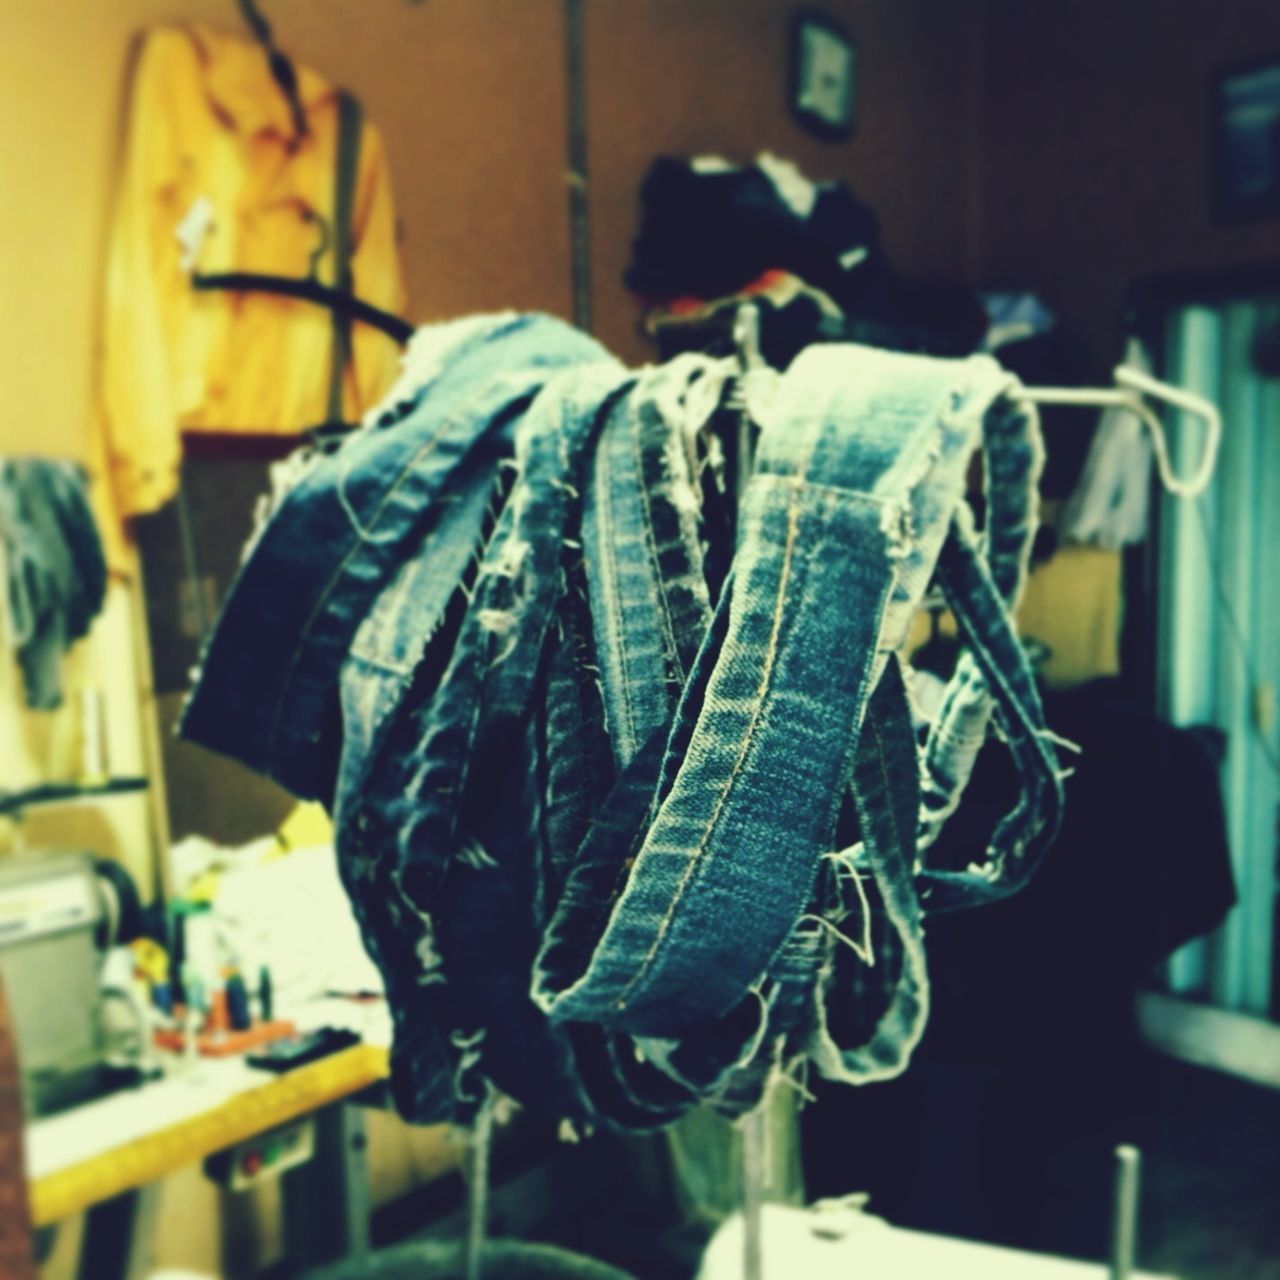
{"x":612,"y":607}
{"x":671,"y":649}
{"x":663,"y":925}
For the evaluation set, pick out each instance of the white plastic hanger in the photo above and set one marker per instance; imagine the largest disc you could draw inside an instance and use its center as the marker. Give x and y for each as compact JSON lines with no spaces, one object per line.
{"x":1132,"y":386}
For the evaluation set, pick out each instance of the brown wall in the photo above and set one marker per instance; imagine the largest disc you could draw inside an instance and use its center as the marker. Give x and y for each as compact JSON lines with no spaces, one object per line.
{"x":681,"y":77}
{"x":1095,"y":147}
{"x":469,"y":95}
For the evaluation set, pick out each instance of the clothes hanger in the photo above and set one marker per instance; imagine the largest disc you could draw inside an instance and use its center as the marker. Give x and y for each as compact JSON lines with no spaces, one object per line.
{"x":309,"y":289}
{"x":281,"y":68}
{"x":1132,"y":386}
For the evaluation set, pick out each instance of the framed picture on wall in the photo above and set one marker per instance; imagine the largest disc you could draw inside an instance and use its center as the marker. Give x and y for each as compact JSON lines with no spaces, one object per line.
{"x":1245,"y":141}
{"x":822,"y":75}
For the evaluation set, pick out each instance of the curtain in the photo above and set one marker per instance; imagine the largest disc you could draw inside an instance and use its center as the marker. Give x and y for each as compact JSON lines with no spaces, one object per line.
{"x":1218,"y":658}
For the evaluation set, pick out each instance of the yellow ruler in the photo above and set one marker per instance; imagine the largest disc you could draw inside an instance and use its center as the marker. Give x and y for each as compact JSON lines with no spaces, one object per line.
{"x":274,"y":1102}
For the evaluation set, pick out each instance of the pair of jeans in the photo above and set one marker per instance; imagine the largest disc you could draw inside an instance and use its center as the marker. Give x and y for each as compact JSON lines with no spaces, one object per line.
{"x":623,"y":837}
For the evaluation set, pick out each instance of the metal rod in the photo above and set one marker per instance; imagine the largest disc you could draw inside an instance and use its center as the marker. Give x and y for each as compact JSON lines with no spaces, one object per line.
{"x":478,"y":1189}
{"x":753,"y":1147}
{"x":1124,"y":1212}
{"x":578,"y":177}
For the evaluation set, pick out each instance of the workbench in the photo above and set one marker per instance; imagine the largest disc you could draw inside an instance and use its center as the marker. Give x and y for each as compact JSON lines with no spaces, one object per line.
{"x":105,"y":1158}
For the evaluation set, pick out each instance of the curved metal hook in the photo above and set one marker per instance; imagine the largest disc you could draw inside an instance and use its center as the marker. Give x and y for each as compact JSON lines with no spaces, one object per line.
{"x":326,"y":240}
{"x":1133,"y":386}
{"x":1141,"y":384}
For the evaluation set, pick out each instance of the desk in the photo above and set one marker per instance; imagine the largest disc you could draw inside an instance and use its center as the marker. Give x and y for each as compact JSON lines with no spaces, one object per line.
{"x":91,"y":1153}
{"x":99,"y":1157}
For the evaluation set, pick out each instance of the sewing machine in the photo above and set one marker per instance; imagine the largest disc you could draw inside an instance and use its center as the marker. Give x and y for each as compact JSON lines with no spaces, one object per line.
{"x":56,"y":913}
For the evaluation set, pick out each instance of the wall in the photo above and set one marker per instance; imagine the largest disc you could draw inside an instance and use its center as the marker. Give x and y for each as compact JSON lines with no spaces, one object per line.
{"x":679,"y":78}
{"x":1094,"y":127}
{"x":1095,"y":138}
{"x":461,"y":91}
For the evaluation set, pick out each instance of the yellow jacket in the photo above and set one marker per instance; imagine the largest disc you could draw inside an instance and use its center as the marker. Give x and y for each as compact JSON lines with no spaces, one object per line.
{"x":209,"y":129}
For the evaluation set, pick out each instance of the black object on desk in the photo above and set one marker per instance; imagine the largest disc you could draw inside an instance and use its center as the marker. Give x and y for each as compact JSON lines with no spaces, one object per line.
{"x":297,"y":1051}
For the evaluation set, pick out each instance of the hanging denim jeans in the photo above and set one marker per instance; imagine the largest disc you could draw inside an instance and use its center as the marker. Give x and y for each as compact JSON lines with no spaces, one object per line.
{"x":620,"y":838}
{"x":861,"y":467}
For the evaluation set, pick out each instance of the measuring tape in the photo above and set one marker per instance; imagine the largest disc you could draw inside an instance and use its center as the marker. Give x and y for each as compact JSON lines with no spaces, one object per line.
{"x":274,"y":1102}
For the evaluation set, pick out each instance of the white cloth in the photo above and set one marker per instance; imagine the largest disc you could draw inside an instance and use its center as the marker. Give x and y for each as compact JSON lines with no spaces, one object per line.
{"x":289,"y":913}
{"x":835,"y":1240}
{"x":1110,"y":505}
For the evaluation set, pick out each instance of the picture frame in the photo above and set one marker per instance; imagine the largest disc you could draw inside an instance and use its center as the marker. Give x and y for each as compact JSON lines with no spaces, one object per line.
{"x":823,"y":75}
{"x":1245,"y":141}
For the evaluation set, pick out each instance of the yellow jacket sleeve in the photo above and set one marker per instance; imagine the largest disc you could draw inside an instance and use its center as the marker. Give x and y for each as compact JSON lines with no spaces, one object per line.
{"x":139,"y":412}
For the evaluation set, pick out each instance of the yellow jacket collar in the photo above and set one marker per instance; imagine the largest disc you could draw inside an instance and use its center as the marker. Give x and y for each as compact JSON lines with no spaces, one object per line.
{"x":239,"y":83}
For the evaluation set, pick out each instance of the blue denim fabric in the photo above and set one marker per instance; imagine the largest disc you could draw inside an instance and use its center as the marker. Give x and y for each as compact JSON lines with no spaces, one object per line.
{"x":342,"y":531}
{"x":651,"y":609}
{"x":489,"y":681}
{"x":999,"y":670}
{"x":487,"y":927}
{"x":617,"y":844}
{"x":871,"y":1000}
{"x":648,"y":593}
{"x":872,"y":1007}
{"x":1014,"y":459}
{"x":861,"y":464}
{"x":469,"y":866}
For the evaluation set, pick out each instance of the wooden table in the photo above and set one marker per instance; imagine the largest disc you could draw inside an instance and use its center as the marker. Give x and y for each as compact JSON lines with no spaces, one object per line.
{"x":104,"y":1157}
